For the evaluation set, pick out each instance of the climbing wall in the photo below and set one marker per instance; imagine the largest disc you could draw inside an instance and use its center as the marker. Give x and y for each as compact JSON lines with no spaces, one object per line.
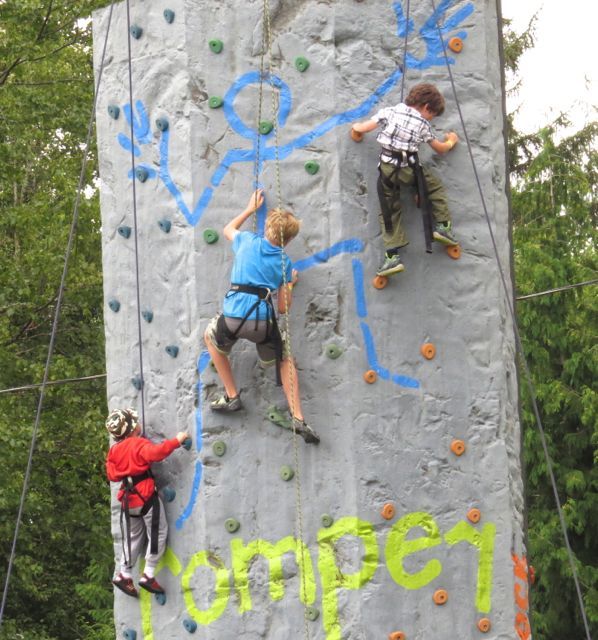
{"x":408,"y":517}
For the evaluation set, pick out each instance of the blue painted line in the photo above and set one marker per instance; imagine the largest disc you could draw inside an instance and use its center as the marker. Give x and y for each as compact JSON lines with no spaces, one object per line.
{"x":127,"y":145}
{"x":351,"y":245}
{"x":360,"y":303}
{"x":141,"y":125}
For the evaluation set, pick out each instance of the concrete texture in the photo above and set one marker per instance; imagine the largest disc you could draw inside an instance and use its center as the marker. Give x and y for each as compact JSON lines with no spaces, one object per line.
{"x":384,"y":442}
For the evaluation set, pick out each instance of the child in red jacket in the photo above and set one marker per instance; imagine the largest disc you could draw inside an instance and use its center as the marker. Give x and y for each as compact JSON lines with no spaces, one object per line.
{"x":142,"y":511}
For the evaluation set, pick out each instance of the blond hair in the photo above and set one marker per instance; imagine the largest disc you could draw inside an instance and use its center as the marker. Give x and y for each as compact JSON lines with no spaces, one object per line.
{"x":282,"y":226}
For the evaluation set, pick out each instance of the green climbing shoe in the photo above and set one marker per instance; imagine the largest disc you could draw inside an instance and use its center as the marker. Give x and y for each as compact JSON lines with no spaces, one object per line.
{"x":392,"y":264}
{"x":443,"y":233}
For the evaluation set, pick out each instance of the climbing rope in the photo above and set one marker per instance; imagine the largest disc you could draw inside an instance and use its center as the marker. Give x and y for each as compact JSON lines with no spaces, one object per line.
{"x":405,"y":50}
{"x":59,"y":298}
{"x":135,"y":231}
{"x":518,"y":341}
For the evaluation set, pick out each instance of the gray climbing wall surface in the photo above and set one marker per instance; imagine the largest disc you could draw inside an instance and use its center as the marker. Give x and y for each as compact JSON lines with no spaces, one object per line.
{"x":401,"y":530}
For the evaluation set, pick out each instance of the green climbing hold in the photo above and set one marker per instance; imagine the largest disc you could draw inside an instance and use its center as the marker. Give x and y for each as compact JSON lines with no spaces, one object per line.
{"x":231,"y":525}
{"x":169,"y":15}
{"x":326,"y":520}
{"x":286,"y":473}
{"x":137,"y":382}
{"x":160,"y":598}
{"x":113,"y":111}
{"x":312,"y":613}
{"x":216,"y":45}
{"x":215,"y":102}
{"x":124,"y":231}
{"x":274,"y":415}
{"x":210,"y":236}
{"x":148,"y":316}
{"x":219,"y":448}
{"x":142,"y":174}
{"x":162,"y":124}
{"x":312,"y":167}
{"x":136,"y":31}
{"x":114,"y":305}
{"x":172,"y":350}
{"x":169,"y":494}
{"x":301,"y":64}
{"x":333,"y":351}
{"x":266,"y":127}
{"x":165,"y":225}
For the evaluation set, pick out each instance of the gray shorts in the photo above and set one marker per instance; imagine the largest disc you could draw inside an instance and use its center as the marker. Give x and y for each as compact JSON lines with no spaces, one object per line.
{"x":220,"y":327}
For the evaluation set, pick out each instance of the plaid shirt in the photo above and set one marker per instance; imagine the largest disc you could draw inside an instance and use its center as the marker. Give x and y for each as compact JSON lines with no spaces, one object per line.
{"x":402,"y":129}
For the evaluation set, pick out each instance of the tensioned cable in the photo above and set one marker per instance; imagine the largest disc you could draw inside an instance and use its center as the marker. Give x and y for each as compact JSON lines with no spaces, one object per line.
{"x":518,"y":342}
{"x":59,"y":298}
{"x":53,"y":383}
{"x":135,"y":232}
{"x":405,"y":50}
{"x":557,"y":290}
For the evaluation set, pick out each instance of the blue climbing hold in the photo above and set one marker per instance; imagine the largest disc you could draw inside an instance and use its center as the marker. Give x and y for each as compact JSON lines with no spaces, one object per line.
{"x":142,"y":174}
{"x":165,"y":225}
{"x":160,"y":598}
{"x":148,"y":316}
{"x":190,"y":625}
{"x":124,"y":231}
{"x":169,"y":15}
{"x":130,"y":634}
{"x":136,"y":31}
{"x":114,"y":305}
{"x":162,"y":124}
{"x":137,"y":382}
{"x":113,"y":111}
{"x":172,"y":350}
{"x":187,"y":442}
{"x":169,"y":494}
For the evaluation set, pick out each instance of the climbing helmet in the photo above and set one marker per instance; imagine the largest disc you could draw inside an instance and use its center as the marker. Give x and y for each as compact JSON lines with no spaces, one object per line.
{"x":121,"y":423}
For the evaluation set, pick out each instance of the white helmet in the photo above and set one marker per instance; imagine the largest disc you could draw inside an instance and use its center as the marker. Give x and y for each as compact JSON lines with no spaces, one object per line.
{"x":121,"y":423}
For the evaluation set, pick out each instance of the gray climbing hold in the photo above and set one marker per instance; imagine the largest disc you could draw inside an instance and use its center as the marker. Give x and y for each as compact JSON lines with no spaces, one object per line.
{"x":215,"y":102}
{"x":172,"y":350}
{"x":333,"y":351}
{"x":114,"y":305}
{"x":137,"y":382}
{"x":312,"y":613}
{"x":210,"y":236}
{"x":286,"y":473}
{"x":265,"y":127}
{"x":301,"y":64}
{"x":216,"y":46}
{"x":136,"y":31}
{"x":327,"y":520}
{"x":124,"y":231}
{"x":162,"y":124}
{"x":148,"y":316}
{"x":113,"y":111}
{"x":190,"y":625}
{"x":142,"y":174}
{"x":169,"y":494}
{"x":160,"y":598}
{"x":130,"y":634}
{"x":165,"y":225}
{"x":169,"y":15}
{"x":219,"y":448}
{"x":312,"y":167}
{"x":231,"y":525}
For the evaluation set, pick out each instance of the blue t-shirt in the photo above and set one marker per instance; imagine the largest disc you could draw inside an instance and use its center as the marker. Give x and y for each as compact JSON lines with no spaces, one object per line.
{"x":257,"y":263}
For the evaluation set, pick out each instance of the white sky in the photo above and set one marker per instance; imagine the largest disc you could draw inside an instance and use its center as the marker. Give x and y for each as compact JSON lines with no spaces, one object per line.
{"x":560,"y":72}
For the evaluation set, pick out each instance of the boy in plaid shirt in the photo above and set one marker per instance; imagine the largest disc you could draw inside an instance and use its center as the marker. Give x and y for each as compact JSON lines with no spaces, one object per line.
{"x":403,"y":128}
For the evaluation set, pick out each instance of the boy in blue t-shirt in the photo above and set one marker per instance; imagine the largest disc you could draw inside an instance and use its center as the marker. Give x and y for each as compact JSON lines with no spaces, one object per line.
{"x":248,"y":311}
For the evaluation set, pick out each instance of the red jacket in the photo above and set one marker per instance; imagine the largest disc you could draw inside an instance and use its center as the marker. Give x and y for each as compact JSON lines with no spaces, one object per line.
{"x":133,"y":456}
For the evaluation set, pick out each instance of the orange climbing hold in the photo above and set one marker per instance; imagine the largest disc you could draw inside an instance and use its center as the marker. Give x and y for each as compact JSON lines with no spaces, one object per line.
{"x":388,"y":511}
{"x":357,"y":136}
{"x":396,"y":635}
{"x":440,"y":596}
{"x":370,"y":376}
{"x":474,"y":515}
{"x":484,"y":625}
{"x":454,"y":251}
{"x":428,"y":350}
{"x":380,"y":282}
{"x":455,"y":44}
{"x":458,"y":447}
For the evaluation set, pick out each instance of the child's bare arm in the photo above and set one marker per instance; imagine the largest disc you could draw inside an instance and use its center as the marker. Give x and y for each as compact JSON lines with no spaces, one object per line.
{"x":285,"y":294}
{"x":444,"y":147}
{"x":255,"y":202}
{"x":359,"y":128}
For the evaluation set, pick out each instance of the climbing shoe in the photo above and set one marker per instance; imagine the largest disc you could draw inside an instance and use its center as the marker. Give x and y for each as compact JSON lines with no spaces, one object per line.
{"x":125,"y":585}
{"x":305,"y":431}
{"x":150,"y":584}
{"x":226,"y":404}
{"x":443,"y":233}
{"x":392,"y":264}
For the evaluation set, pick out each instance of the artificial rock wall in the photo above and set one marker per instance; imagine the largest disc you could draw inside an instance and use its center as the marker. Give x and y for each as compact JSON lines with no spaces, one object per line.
{"x":386,"y":532}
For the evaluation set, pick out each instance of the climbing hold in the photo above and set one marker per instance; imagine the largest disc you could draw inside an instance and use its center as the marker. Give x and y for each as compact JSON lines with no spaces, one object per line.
{"x":169,"y":494}
{"x":210,"y":236}
{"x":474,"y":515}
{"x":219,"y":448}
{"x":114,"y":305}
{"x":396,"y":635}
{"x":169,"y":15}
{"x":142,"y":174}
{"x":428,"y":350}
{"x":357,"y":136}
{"x":265,"y":127}
{"x":160,"y":598}
{"x":380,"y":282}
{"x":484,"y":625}
{"x":279,"y":419}
{"x":162,"y":124}
{"x":440,"y":596}
{"x":137,"y":382}
{"x":125,"y":232}
{"x":301,"y":64}
{"x":148,"y":316}
{"x":136,"y":31}
{"x":130,"y":634}
{"x":187,"y":442}
{"x":165,"y":225}
{"x":113,"y":111}
{"x":388,"y":511}
{"x":455,"y":44}
{"x":172,"y":350}
{"x":312,"y":167}
{"x":190,"y":625}
{"x":286,"y":473}
{"x":327,"y":520}
{"x":370,"y":376}
{"x":454,"y":251}
{"x":216,"y":46}
{"x":333,"y":351}
{"x":532,"y":574}
{"x":458,"y":447}
{"x":231,"y":525}
{"x":312,"y":613}
{"x":215,"y":102}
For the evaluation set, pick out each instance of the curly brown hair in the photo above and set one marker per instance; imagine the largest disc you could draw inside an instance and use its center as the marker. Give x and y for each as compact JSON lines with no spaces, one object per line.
{"x":426,"y":94}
